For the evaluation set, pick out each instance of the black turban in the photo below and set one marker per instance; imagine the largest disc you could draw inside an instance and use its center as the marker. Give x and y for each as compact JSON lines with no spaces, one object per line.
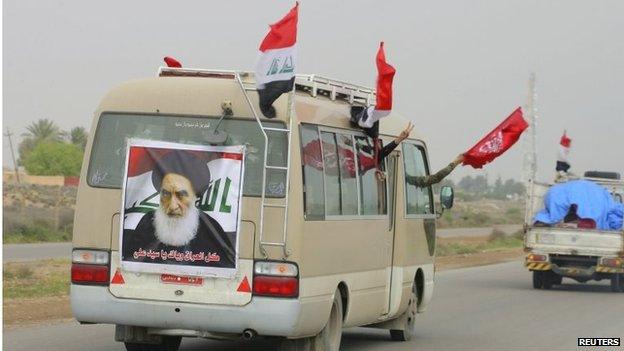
{"x":186,"y":164}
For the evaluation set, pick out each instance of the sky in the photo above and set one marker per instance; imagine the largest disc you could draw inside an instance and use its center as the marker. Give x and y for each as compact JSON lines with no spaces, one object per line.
{"x":462,"y":66}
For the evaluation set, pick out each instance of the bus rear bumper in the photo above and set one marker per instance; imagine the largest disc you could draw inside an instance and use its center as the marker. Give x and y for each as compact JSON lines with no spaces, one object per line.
{"x":266,"y":316}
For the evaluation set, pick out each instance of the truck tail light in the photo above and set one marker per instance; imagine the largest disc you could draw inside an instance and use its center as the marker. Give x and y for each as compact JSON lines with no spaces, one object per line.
{"x":90,"y":267}
{"x":536,"y":258}
{"x":276,"y":279}
{"x":613,"y":262}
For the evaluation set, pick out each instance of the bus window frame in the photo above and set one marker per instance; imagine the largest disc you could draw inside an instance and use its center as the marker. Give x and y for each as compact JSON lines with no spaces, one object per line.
{"x":419,"y":145}
{"x":352,"y":133}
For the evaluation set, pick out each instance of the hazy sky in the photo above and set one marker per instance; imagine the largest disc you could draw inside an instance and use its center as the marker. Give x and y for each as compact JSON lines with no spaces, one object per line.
{"x":462,"y":66}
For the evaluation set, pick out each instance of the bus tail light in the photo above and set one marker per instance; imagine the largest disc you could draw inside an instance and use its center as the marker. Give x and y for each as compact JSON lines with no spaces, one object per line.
{"x":90,"y":267}
{"x":275,"y":279}
{"x":275,"y":286}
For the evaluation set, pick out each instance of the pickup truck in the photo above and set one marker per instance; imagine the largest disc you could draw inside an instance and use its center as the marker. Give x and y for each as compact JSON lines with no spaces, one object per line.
{"x":558,"y":251}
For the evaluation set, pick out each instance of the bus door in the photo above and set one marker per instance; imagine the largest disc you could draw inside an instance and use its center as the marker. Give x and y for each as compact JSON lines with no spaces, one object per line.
{"x":391,"y":174}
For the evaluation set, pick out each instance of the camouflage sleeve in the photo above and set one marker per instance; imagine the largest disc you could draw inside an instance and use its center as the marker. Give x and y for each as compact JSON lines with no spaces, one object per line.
{"x":425,"y":181}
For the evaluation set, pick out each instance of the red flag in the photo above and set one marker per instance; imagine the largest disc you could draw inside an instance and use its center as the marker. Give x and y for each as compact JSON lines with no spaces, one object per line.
{"x":497,"y":141}
{"x":383,"y":105}
{"x":385,"y":75}
{"x":171,"y":62}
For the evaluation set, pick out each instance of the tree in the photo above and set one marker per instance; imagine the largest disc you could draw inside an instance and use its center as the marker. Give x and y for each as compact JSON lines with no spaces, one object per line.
{"x":54,"y":158}
{"x":78,"y":137}
{"x":42,"y":130}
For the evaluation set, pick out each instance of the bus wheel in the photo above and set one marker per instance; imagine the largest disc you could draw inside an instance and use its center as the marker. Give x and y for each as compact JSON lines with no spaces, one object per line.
{"x":538,"y":279}
{"x":329,"y":338}
{"x":295,"y":344}
{"x":617,"y":283}
{"x":170,"y":343}
{"x":409,"y":318}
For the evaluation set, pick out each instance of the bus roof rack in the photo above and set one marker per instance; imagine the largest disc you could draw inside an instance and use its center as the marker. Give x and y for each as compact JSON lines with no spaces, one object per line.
{"x":335,"y":89}
{"x":200,"y":72}
{"x":314,"y":84}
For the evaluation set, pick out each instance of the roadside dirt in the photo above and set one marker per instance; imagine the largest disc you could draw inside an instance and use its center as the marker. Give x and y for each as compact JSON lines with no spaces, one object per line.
{"x":27,"y":311}
{"x":478,"y":259}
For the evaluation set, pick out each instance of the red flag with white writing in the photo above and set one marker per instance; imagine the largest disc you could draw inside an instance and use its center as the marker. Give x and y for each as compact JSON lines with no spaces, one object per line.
{"x":496,"y":142}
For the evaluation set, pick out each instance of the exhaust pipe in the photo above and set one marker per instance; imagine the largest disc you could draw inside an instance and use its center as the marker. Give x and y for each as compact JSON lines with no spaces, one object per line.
{"x":249,"y":334}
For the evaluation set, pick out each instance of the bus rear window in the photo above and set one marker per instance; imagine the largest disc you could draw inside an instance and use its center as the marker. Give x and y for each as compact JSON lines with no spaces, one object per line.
{"x":109,"y":146}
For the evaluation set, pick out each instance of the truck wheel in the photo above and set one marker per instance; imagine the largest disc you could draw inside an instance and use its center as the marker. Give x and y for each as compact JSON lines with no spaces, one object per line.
{"x":409,"y":318}
{"x":538,"y":279}
{"x":557,"y":279}
{"x":617,"y":283}
{"x":548,"y":279}
{"x":170,"y":343}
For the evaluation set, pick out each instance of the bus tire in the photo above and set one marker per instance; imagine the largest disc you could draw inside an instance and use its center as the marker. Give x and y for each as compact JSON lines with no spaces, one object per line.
{"x":329,"y":338}
{"x":170,"y":343}
{"x":295,"y":344}
{"x":409,"y":320}
{"x":538,"y":279}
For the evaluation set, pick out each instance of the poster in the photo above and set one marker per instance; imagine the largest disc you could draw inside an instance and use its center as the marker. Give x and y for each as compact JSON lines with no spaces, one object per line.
{"x":181,"y":208}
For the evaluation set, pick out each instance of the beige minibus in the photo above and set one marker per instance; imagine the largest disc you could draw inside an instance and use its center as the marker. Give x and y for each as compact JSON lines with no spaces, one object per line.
{"x":323,"y":244}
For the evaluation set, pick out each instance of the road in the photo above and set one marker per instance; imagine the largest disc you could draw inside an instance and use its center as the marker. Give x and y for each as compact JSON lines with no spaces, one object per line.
{"x":480,"y":308}
{"x":31,"y":252}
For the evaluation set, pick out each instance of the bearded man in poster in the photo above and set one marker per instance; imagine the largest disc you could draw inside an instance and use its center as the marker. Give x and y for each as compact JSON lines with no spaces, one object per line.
{"x":177,"y":225}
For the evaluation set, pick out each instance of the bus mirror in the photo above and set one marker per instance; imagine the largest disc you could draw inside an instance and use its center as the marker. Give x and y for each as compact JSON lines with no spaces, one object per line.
{"x":446,"y":197}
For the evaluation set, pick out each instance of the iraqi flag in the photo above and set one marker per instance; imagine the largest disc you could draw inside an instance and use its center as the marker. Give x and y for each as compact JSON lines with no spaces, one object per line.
{"x":383,"y":105}
{"x":564,"y":151}
{"x":496,"y":142}
{"x":275,"y":69}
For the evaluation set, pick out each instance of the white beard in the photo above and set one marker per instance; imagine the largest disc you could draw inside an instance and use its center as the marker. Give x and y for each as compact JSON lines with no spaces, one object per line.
{"x":176,"y":231}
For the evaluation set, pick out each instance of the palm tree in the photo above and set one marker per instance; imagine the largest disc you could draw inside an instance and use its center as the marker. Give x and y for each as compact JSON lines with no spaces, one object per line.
{"x":78,"y":137}
{"x":43,"y":130}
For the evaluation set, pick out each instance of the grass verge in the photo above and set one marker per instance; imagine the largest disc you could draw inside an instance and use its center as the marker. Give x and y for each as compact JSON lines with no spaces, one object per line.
{"x":498,"y":240}
{"x":36,"y":279}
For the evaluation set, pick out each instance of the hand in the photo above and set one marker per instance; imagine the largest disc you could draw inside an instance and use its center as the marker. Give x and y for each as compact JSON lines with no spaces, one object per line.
{"x":380,"y":175}
{"x":459,"y":159}
{"x":405,"y":133}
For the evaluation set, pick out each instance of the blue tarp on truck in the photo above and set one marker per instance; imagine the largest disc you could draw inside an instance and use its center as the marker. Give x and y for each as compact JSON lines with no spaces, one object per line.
{"x":592,"y":200}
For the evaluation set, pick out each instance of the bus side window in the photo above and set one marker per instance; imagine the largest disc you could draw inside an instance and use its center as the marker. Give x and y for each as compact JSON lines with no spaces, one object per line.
{"x":312,"y":161}
{"x":348,"y":176}
{"x":372,"y":192}
{"x":418,"y":200}
{"x":340,"y":174}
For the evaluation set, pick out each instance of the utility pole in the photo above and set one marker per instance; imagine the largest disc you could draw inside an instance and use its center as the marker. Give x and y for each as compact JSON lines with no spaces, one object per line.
{"x":529,"y":167}
{"x":8,"y":135}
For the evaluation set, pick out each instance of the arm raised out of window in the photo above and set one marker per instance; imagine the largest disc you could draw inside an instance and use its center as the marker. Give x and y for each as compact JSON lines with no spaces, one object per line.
{"x":425,"y":181}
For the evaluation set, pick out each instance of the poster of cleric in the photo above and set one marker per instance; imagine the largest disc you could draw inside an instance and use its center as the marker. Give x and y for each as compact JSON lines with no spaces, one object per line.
{"x":181,"y":208}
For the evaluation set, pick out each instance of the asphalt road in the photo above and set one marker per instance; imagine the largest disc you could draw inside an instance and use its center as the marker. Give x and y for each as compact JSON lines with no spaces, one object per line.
{"x":31,"y":252}
{"x":480,"y":308}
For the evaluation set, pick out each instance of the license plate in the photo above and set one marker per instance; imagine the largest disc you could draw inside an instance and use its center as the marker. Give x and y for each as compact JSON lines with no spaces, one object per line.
{"x":548,"y":239}
{"x":182,"y":280}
